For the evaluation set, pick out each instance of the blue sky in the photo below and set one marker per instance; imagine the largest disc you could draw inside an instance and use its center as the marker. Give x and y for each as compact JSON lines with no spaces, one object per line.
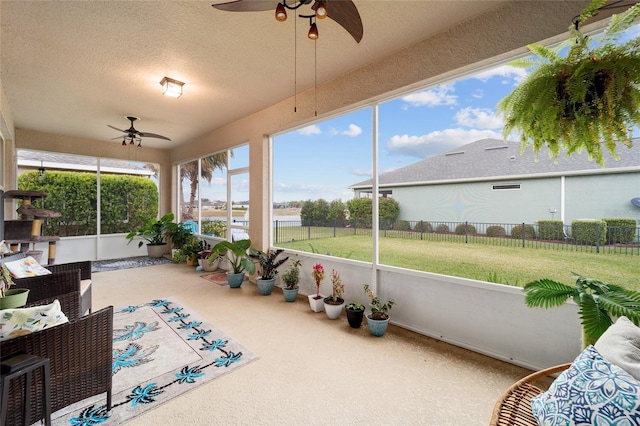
{"x":323,"y":159}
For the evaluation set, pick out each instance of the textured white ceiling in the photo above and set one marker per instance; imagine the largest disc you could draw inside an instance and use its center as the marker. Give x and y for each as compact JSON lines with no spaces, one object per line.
{"x":72,"y":67}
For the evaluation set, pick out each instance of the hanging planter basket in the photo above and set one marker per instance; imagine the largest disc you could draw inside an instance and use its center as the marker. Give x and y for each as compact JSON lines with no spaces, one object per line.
{"x":588,"y":99}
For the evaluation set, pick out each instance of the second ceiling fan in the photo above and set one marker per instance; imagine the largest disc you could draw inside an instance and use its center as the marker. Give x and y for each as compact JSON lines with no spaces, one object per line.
{"x":343,"y":12}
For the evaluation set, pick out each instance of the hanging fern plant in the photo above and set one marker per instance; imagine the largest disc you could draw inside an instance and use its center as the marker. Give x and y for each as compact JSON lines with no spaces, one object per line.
{"x":587,"y":99}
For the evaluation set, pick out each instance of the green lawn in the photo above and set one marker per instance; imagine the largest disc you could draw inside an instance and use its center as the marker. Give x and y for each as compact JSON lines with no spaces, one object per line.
{"x":501,"y":264}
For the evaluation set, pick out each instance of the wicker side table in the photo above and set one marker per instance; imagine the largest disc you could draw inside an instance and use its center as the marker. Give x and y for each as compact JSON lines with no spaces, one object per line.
{"x":24,"y":365}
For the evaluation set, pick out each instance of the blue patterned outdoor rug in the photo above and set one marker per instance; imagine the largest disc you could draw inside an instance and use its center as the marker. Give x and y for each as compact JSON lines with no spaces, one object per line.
{"x":161,"y":349}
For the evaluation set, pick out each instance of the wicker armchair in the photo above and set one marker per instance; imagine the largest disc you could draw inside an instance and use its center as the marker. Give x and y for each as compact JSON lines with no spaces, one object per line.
{"x":80,"y":355}
{"x":59,"y":272}
{"x":514,"y":406}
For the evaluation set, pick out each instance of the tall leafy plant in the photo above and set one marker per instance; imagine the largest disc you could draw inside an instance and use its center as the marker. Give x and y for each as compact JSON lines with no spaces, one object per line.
{"x":599,"y":303}
{"x":584,"y":100}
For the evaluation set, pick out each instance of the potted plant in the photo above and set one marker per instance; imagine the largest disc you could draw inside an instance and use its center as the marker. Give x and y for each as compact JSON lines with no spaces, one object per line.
{"x":585,"y":99}
{"x":236,"y":253}
{"x":178,"y":234}
{"x":190,"y":250}
{"x":333,"y":304}
{"x":10,"y":299}
{"x":378,"y":318}
{"x":207,"y":259}
{"x":154,"y":231}
{"x":355,"y":313}
{"x":291,"y":277}
{"x":599,"y":302}
{"x":269,"y":268}
{"x":316,"y":301}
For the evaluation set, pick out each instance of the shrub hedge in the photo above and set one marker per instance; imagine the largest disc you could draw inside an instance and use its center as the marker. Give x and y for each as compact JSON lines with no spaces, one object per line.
{"x":465,"y":229}
{"x":496,"y":231}
{"x":517,"y":231}
{"x":589,"y":232}
{"x":125,"y":202}
{"x":551,"y":230}
{"x":620,"y":230}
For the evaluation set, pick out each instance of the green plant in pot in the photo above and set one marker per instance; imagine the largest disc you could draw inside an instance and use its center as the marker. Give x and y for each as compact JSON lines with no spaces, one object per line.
{"x":237,"y":254}
{"x":154,"y":231}
{"x":178,"y":234}
{"x":190,"y":250}
{"x":269,"y":264}
{"x":585,"y":100}
{"x":291,"y":278}
{"x":10,"y":298}
{"x":333,"y":304}
{"x":599,"y":303}
{"x":378,"y":318}
{"x":355,"y":314}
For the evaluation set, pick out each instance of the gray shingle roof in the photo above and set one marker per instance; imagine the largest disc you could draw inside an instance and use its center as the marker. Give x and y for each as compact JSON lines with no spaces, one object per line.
{"x":493,"y":159}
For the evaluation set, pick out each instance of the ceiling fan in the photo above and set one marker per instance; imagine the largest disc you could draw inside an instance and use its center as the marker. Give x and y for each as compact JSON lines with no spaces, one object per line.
{"x":132,"y":135}
{"x":344,"y":12}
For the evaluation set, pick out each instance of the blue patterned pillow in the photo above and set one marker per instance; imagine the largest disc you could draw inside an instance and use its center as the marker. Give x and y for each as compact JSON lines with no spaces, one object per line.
{"x":591,"y":392}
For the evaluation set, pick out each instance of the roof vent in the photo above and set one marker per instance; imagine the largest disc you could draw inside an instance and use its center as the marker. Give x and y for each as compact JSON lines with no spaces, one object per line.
{"x":453,"y":153}
{"x":496,"y":147}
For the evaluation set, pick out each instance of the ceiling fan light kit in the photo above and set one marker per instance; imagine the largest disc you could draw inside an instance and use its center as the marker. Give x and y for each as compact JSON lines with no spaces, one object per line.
{"x":133,"y":136}
{"x":343,"y":12}
{"x":171,"y":87}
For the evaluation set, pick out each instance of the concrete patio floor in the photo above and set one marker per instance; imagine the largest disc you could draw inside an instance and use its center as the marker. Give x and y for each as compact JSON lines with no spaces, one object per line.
{"x":312,"y":370}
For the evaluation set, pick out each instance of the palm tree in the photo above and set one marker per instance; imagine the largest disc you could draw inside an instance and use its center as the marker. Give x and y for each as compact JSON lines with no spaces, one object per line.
{"x":598,"y":302}
{"x":207,"y":166}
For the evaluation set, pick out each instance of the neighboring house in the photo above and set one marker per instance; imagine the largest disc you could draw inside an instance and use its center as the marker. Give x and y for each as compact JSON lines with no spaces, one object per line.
{"x":489,"y":181}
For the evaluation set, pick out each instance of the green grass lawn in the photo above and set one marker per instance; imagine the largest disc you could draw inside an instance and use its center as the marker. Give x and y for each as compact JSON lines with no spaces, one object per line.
{"x":501,"y":264}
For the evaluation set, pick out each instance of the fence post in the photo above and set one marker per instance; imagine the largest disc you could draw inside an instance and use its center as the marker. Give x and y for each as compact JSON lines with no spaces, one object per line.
{"x":466,"y":232}
{"x":334,"y":228}
{"x":597,"y":238}
{"x":522,"y":234}
{"x":421,"y":230}
{"x":309,"y":231}
{"x":276,"y":233}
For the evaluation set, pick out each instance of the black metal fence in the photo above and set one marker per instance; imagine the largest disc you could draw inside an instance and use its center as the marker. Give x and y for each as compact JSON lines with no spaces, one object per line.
{"x":587,"y":237}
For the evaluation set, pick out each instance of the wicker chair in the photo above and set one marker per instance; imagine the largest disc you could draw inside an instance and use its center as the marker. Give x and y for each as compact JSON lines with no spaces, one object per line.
{"x":80,"y":355}
{"x":34,"y":284}
{"x":514,"y":406}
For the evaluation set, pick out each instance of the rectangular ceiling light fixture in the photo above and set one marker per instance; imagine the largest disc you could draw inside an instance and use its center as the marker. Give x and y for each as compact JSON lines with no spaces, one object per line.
{"x":171,"y":87}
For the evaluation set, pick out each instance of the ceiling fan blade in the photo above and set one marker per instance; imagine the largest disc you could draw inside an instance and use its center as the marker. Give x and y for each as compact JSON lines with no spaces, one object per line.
{"x":115,"y":128}
{"x":247,"y":5}
{"x":152,"y":135}
{"x":345,"y":13}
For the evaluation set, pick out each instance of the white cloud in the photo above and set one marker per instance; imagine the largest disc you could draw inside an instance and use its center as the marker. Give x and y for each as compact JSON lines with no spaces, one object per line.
{"x":512,"y":74}
{"x":361,"y":172}
{"x":353,"y":131}
{"x":310,"y":130}
{"x":437,"y":142}
{"x":435,"y":97}
{"x":481,"y":118}
{"x":478,"y":94}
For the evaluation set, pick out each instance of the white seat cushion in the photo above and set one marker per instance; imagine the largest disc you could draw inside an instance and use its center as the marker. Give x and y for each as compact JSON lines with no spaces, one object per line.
{"x":620,"y":345}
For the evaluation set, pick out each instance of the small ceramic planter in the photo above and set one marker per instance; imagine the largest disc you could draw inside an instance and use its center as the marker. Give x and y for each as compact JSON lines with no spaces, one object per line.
{"x":209,"y":267}
{"x":290,"y":295}
{"x":235,"y":280}
{"x":317,"y":305}
{"x":14,"y":298}
{"x":377,"y":327}
{"x":333,"y":310}
{"x":354,"y":317}
{"x":265,"y":287}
